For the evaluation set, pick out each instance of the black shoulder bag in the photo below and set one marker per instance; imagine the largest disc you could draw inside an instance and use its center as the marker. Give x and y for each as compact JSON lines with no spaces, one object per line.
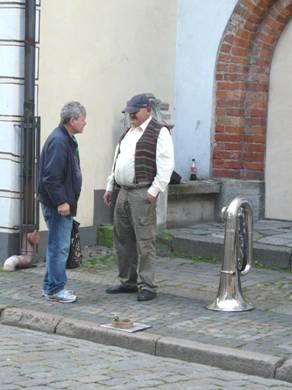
{"x":75,"y":255}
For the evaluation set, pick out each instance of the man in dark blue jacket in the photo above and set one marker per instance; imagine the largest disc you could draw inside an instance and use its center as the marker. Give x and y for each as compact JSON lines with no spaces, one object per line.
{"x":59,"y":188}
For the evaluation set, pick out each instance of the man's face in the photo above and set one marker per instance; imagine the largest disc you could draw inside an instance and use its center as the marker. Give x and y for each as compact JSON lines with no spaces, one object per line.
{"x":137,"y":118}
{"x":77,"y":125}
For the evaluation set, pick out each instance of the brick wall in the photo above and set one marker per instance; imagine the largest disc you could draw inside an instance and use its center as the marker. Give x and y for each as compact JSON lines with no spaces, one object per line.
{"x":242,"y":85}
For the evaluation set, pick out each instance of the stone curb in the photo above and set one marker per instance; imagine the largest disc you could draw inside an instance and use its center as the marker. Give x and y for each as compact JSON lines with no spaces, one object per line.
{"x":250,"y":363}
{"x":30,"y":319}
{"x":284,"y":372}
{"x":86,"y":330}
{"x":226,"y":358}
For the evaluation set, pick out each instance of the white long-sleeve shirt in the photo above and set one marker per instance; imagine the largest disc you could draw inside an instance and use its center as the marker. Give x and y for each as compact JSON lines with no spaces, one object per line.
{"x":123,"y":169}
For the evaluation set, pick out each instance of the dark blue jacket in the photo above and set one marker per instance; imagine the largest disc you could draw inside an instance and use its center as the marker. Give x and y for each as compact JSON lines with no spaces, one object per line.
{"x":59,"y":178}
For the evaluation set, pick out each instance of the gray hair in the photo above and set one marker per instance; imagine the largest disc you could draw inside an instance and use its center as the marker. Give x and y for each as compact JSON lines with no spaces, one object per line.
{"x":71,"y":110}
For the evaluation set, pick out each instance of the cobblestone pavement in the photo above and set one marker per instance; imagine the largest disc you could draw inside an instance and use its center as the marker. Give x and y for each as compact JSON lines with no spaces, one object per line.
{"x":37,"y":361}
{"x":180,"y":308}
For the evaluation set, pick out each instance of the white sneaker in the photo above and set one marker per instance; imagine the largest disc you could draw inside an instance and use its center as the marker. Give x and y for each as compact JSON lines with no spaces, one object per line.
{"x":63,"y":296}
{"x":45,"y":294}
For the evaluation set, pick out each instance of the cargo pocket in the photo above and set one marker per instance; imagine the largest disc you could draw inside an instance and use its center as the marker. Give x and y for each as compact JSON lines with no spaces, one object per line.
{"x":147,"y":222}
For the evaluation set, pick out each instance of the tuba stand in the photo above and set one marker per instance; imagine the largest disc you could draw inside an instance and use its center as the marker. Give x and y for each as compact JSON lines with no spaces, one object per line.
{"x":237,"y":261}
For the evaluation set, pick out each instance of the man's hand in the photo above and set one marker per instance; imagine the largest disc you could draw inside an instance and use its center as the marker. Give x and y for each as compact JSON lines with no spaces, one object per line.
{"x":64,"y":209}
{"x":151,"y":198}
{"x":107,"y":198}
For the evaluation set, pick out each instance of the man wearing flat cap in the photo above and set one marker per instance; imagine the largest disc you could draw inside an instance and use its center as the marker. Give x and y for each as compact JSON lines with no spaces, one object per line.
{"x":142,"y":166}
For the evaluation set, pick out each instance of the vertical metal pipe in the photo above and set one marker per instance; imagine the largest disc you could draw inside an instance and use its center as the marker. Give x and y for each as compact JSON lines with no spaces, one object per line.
{"x":29,"y":69}
{"x":28,"y":213}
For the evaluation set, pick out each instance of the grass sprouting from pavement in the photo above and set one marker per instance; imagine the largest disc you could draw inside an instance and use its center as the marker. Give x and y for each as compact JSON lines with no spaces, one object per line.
{"x":109,"y":261}
{"x":197,"y":259}
{"x":258,"y":265}
{"x":216,"y":260}
{"x":98,"y":263}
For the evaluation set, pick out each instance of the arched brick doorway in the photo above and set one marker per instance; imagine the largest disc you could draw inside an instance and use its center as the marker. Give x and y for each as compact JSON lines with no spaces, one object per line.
{"x":242,"y":85}
{"x":242,"y":82}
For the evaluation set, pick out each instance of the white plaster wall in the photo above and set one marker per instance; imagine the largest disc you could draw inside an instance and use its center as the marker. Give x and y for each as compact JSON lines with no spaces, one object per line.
{"x":200,"y":26}
{"x":12,"y":61}
{"x":10,"y":180}
{"x":278,"y":173}
{"x":101,"y":53}
{"x":10,"y":176}
{"x":10,"y":138}
{"x":12,"y":24}
{"x":11,"y":98}
{"x":10,"y":212}
{"x":18,"y":2}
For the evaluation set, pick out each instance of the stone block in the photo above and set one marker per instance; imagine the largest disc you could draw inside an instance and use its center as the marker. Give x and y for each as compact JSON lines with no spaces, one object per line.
{"x":251,"y":190}
{"x":192,"y":202}
{"x":240,"y":361}
{"x":30,"y":319}
{"x":284,"y":373}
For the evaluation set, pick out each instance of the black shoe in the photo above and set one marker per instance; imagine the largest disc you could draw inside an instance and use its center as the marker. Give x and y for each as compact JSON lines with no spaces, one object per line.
{"x":121,"y":289}
{"x":146,"y":295}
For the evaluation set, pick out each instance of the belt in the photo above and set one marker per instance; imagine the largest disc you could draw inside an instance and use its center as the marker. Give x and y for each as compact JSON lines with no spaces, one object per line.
{"x":136,"y":187}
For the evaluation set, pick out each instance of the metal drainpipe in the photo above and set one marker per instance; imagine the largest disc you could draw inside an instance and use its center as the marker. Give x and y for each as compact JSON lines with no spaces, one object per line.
{"x":29,"y":222}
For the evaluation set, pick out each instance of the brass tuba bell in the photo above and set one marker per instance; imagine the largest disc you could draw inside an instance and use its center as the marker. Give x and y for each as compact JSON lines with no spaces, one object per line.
{"x":238,"y":240}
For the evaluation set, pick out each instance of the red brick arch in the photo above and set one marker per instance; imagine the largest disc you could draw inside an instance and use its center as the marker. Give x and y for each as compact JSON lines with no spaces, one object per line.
{"x":242,"y":85}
